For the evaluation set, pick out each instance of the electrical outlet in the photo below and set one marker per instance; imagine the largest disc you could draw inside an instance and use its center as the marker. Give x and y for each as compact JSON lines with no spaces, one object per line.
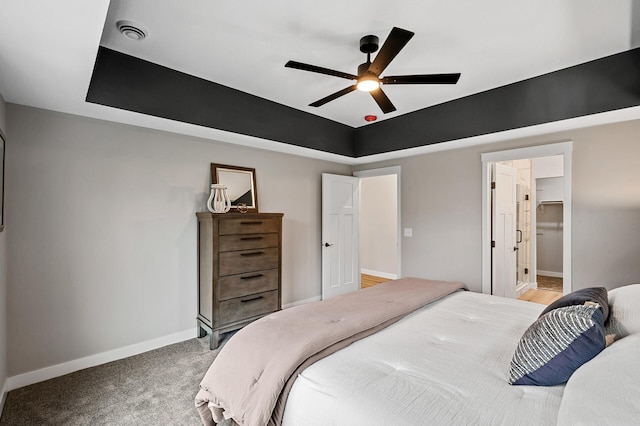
{"x":408,"y":232}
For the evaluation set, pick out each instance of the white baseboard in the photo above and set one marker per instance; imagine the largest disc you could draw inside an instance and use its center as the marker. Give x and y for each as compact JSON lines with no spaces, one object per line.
{"x":301,"y":302}
{"x":549,"y":274}
{"x":379,"y":274}
{"x":58,"y":370}
{"x":3,"y":396}
{"x":522,"y":288}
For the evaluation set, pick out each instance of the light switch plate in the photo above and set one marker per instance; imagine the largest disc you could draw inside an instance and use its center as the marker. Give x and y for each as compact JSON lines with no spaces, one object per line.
{"x":408,"y":232}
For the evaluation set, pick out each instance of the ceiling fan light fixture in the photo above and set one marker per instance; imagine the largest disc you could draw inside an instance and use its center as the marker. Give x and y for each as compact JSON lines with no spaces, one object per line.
{"x":368,"y":83}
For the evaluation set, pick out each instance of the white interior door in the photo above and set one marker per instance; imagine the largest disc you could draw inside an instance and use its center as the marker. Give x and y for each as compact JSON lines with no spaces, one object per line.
{"x":504,"y":231}
{"x":340,"y":235}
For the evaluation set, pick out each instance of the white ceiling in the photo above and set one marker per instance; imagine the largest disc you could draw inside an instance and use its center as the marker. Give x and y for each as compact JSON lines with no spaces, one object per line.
{"x":47,"y":49}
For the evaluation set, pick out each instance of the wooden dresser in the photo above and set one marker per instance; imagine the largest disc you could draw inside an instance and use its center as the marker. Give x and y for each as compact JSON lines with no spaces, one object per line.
{"x":239,"y":270}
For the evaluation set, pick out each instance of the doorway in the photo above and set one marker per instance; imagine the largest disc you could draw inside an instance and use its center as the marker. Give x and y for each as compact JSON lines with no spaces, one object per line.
{"x":379,"y":225}
{"x":341,"y":208}
{"x":527,"y":198}
{"x":513,"y":249}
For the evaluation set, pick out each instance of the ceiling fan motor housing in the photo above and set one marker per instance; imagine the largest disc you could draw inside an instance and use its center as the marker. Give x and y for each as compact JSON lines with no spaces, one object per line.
{"x":364,"y":69}
{"x":369,"y":44}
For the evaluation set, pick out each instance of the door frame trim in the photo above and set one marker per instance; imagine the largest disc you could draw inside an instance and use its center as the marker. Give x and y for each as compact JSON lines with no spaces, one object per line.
{"x":384,"y":171}
{"x":564,"y":148}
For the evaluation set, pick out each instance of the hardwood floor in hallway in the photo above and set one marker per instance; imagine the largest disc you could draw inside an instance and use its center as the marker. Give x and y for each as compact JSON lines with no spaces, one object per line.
{"x":549,"y":290}
{"x":545,"y":297}
{"x":370,"y":280}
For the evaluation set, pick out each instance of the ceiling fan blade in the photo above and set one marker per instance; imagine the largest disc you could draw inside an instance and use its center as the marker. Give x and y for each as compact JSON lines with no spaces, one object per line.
{"x":397,"y":39}
{"x":333,"y":96}
{"x":320,"y":70}
{"x":382,"y":100}
{"x":422,"y":79}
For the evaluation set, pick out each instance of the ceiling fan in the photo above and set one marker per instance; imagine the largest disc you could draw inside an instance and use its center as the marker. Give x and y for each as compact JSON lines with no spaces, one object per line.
{"x":368,"y":78}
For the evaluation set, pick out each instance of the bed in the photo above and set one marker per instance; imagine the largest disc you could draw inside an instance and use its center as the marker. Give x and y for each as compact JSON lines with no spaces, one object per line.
{"x":443,"y":359}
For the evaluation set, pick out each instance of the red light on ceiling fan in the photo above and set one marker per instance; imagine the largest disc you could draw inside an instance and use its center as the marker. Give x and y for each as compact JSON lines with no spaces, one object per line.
{"x":369,"y":118}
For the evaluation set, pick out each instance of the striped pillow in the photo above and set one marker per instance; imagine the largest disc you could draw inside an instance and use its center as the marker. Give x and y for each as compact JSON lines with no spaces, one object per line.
{"x":557,"y":344}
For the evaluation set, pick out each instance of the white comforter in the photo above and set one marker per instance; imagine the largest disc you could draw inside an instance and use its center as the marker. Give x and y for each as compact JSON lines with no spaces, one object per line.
{"x":446,"y":364}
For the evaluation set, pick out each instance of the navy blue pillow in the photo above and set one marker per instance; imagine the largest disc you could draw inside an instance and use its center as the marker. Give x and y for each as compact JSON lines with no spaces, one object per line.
{"x":597,"y":295}
{"x":557,"y":344}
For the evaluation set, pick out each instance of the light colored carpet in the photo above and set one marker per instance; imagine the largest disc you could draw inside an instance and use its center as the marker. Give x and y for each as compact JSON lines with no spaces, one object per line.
{"x":153,"y":388}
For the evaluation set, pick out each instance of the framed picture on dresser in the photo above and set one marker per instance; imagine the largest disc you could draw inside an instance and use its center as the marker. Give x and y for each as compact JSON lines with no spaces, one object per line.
{"x":241,"y":185}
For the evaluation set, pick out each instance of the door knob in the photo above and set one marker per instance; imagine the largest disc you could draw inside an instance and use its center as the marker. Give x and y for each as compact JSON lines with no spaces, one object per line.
{"x":515,"y":249}
{"x":327,"y":245}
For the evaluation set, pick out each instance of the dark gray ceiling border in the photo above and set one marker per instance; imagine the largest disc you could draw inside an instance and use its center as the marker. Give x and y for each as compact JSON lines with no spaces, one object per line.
{"x":606,"y":84}
{"x":126,"y":82}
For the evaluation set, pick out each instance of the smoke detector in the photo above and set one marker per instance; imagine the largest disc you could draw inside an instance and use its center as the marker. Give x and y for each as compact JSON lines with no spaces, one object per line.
{"x":131,"y":30}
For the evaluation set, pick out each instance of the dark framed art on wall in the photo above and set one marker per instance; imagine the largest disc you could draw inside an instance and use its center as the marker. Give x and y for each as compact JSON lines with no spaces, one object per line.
{"x":2,"y":149}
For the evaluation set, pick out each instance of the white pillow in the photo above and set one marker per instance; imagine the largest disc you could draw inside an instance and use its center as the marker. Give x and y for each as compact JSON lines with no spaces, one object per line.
{"x":624,"y":311}
{"x":605,"y":390}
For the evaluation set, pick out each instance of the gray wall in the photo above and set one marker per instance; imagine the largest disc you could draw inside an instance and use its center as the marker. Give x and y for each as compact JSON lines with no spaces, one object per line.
{"x":441,"y":201}
{"x":606,"y":206}
{"x":101,"y":216}
{"x":549,"y":239}
{"x":103,"y":231}
{"x":3,"y":280}
{"x":3,"y":115}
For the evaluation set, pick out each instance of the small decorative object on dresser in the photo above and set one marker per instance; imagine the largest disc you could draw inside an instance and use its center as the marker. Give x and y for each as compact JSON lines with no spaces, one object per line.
{"x":240,"y":183}
{"x":239,"y":270}
{"x":242,"y":208}
{"x":218,"y":201}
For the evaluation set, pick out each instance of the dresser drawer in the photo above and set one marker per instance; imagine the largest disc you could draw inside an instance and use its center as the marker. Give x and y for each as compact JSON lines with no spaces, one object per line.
{"x":247,"y":241}
{"x":244,"y":284}
{"x":248,"y":226}
{"x":238,"y":262}
{"x":242,"y":308}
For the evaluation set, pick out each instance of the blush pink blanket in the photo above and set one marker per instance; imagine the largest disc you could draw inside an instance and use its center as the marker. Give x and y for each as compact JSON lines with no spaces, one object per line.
{"x":251,"y":377}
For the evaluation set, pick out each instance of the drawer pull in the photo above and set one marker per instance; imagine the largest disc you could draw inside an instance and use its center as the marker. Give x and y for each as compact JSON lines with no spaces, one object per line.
{"x":251,"y":238}
{"x":250,"y":277}
{"x":255,"y":253}
{"x":252,"y":299}
{"x":254,"y":222}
